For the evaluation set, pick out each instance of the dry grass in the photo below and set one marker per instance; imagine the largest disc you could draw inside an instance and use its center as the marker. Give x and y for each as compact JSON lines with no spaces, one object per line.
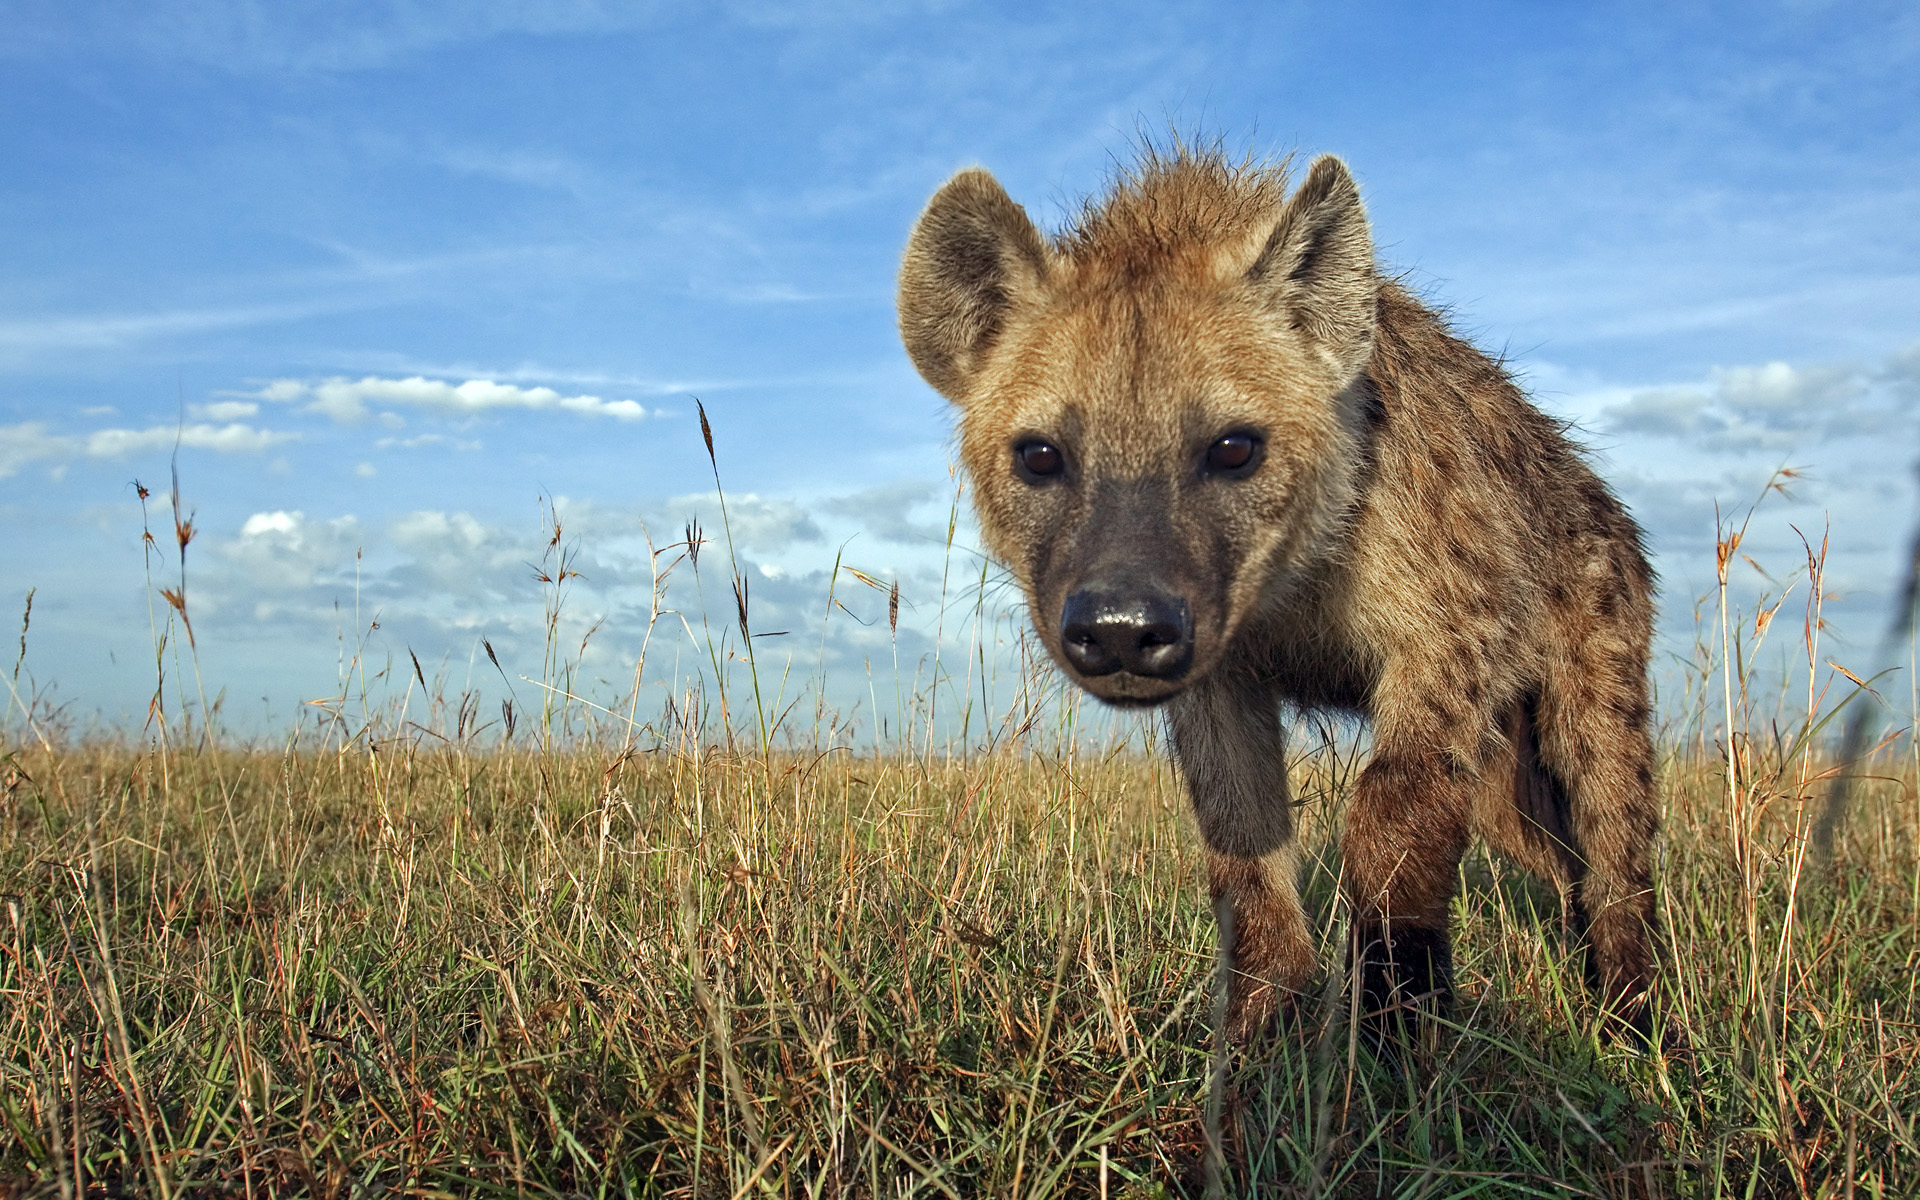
{"x":428,"y":966}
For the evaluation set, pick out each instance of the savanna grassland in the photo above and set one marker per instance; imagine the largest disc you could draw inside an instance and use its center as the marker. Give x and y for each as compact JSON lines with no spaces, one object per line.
{"x":408,"y":952}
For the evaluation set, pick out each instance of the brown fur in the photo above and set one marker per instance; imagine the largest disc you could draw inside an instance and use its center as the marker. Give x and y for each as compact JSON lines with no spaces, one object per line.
{"x":1419,"y":544}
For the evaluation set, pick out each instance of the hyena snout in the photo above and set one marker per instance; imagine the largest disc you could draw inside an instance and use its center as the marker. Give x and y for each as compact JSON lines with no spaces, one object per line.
{"x":1106,"y":628}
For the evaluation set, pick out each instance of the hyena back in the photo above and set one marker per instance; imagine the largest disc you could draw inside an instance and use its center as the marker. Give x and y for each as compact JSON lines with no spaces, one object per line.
{"x":1232,"y":466}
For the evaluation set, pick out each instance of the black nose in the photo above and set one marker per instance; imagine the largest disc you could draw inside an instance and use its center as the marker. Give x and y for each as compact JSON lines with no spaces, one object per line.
{"x":1103,"y":630}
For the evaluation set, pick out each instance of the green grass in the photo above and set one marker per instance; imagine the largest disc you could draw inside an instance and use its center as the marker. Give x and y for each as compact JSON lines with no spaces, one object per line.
{"x":424,"y":966}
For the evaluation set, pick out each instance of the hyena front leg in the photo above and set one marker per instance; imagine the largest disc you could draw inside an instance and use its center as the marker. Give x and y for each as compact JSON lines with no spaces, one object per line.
{"x":1407,"y":828}
{"x":1228,"y":742}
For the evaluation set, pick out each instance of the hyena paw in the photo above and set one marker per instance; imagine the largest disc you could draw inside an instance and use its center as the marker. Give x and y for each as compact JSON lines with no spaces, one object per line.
{"x":1404,"y":973}
{"x":1252,"y":1014}
{"x":1628,"y":1020}
{"x":1265,"y":1010}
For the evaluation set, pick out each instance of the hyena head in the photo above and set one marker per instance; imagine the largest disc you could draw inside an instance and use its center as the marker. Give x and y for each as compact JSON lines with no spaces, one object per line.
{"x":1161,"y":408}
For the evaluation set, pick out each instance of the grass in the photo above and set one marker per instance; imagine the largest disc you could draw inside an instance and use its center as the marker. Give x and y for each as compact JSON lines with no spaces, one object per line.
{"x":594,"y":958}
{"x":423,"y":966}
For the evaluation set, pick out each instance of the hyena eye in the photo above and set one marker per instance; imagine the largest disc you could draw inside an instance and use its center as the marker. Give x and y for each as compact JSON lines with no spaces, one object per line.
{"x":1234,"y":453}
{"x":1038,"y":459}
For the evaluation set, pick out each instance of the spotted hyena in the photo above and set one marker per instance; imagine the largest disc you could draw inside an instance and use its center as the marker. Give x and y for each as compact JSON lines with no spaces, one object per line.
{"x":1233,"y":466}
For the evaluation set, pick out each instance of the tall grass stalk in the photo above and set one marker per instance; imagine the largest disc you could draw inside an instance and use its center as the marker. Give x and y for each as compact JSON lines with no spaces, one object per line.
{"x":740,"y":595}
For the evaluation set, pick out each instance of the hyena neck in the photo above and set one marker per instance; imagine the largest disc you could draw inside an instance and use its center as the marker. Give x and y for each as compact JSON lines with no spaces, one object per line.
{"x":1301,"y":643}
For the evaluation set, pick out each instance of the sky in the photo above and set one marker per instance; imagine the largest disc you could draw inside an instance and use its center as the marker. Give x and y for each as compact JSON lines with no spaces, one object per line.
{"x":396,"y":284}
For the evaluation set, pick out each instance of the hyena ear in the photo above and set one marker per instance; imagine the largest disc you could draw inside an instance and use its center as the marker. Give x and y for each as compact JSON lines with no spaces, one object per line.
{"x":973,"y":254}
{"x":1317,"y":268}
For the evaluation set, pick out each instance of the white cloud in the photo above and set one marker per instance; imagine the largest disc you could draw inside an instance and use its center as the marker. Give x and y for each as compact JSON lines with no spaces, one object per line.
{"x":282,"y":551}
{"x":424,"y":440}
{"x":30,"y":442}
{"x":281,"y":522}
{"x":348,"y":399}
{"x":226,"y":410}
{"x":646,"y":385}
{"x":428,"y":528}
{"x":233,"y":438}
{"x":417,"y":563}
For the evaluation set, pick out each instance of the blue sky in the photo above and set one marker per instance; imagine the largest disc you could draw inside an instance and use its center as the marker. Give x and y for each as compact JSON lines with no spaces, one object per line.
{"x":392,"y":272}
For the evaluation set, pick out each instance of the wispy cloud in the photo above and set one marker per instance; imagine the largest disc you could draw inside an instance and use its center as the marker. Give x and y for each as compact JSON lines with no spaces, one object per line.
{"x":234,"y":35}
{"x":759,"y":293}
{"x":349,"y":399}
{"x":30,"y":442}
{"x":109,"y":330}
{"x":530,"y":168}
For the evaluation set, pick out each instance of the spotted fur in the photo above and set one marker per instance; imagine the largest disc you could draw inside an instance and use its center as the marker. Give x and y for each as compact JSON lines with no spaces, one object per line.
{"x":1420,"y":545}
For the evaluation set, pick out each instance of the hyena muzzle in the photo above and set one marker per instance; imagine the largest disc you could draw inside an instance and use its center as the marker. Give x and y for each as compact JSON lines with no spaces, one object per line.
{"x":1234,"y":468}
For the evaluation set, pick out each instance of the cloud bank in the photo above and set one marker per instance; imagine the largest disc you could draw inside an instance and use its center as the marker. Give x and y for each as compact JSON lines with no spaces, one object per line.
{"x":1776,"y":406}
{"x":350,"y":399}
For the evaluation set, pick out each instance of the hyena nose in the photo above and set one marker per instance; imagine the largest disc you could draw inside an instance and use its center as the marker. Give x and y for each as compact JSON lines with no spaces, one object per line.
{"x":1104,"y":631}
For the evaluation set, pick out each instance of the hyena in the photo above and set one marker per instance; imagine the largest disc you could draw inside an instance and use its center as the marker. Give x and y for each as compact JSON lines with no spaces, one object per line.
{"x":1234,"y":468}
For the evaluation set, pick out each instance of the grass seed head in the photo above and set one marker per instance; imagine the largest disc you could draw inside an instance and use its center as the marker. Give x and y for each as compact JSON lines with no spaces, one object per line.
{"x":706,"y":433}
